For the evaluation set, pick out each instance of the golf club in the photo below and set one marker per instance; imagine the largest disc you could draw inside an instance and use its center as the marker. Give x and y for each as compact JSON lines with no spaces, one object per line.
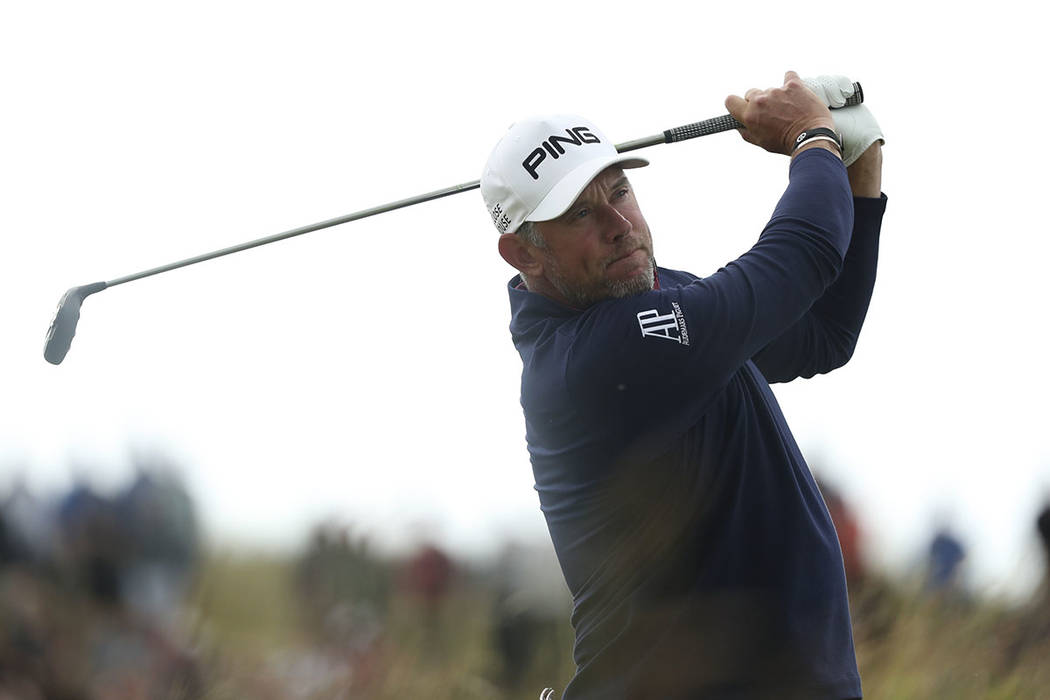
{"x":64,"y":325}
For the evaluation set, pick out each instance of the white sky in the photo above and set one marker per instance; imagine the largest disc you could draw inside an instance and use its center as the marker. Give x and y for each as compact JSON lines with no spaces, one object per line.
{"x":366,"y":371}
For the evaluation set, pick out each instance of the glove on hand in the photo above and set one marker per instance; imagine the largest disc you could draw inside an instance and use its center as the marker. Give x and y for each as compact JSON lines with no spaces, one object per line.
{"x":856,"y":124}
{"x":833,"y":89}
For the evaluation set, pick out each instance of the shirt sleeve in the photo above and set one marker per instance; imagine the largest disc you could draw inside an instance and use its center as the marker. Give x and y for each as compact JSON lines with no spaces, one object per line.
{"x":825,"y":338}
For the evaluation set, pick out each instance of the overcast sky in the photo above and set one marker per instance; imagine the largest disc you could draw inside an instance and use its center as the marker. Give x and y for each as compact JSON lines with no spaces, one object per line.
{"x":366,"y":371}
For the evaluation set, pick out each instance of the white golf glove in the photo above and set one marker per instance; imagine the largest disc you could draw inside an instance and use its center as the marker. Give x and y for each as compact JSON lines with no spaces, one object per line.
{"x":856,"y":124}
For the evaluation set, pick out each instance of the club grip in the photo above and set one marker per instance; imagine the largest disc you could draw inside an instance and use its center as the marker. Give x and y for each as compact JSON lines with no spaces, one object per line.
{"x":727,"y":123}
{"x":701,"y":128}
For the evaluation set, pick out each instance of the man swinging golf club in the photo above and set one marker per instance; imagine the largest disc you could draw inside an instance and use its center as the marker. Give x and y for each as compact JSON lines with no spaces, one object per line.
{"x":701,"y":559}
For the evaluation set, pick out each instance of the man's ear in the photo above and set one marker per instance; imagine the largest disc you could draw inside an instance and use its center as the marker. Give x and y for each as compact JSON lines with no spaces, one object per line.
{"x":520,"y":255}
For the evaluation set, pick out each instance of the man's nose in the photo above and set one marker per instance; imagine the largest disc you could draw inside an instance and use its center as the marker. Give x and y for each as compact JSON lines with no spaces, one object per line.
{"x":614,"y":224}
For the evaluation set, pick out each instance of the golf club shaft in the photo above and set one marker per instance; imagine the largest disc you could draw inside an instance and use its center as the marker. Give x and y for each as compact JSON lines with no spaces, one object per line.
{"x":680,"y":133}
{"x":708,"y":126}
{"x":383,"y":208}
{"x":63,"y":326}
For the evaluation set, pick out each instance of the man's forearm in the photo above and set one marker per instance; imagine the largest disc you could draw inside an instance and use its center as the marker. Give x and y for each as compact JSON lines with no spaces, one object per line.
{"x":865,"y":174}
{"x":825,"y":338}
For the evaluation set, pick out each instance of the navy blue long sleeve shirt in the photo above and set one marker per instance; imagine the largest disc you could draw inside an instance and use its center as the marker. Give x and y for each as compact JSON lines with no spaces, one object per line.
{"x":699,"y":553}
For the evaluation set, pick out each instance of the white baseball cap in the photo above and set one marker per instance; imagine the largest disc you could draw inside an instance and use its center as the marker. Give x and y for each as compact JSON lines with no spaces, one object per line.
{"x":541,"y":165}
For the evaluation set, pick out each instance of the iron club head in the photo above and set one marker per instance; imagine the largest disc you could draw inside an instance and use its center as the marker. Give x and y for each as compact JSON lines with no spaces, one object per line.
{"x":64,"y":325}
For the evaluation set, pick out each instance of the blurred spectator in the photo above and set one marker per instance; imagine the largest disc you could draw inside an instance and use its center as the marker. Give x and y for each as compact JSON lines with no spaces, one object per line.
{"x":848,"y":530}
{"x":8,"y":553}
{"x":429,"y":574}
{"x":31,"y":527}
{"x":1042,"y":526}
{"x":1032,"y":628}
{"x":68,"y":629}
{"x":427,"y":579}
{"x":528,"y":615}
{"x":161,"y":546}
{"x":946,"y":554}
{"x":344,"y":591}
{"x":93,"y":542}
{"x":344,"y":587}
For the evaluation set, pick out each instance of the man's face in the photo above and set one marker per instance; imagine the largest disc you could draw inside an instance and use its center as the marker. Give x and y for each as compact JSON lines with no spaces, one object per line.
{"x":601,"y":246}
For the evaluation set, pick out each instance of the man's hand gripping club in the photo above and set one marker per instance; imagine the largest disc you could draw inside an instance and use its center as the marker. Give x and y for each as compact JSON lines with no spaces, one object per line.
{"x":856,"y":125}
{"x":774,"y":118}
{"x":862,"y":138}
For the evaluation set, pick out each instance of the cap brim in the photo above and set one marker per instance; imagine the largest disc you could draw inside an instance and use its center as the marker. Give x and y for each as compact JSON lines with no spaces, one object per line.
{"x":563,"y":194}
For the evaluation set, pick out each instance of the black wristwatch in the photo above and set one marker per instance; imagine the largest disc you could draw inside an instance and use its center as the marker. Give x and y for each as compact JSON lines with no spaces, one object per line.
{"x":818,"y":134}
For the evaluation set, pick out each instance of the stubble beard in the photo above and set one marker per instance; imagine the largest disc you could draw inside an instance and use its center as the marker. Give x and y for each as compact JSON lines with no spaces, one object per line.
{"x":581,"y":298}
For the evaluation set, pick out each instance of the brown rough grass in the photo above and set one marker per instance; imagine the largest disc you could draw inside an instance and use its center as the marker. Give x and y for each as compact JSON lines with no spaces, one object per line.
{"x":909,"y":645}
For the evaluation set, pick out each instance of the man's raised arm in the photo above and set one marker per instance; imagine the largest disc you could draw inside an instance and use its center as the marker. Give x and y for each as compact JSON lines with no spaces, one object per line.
{"x":825,"y":338}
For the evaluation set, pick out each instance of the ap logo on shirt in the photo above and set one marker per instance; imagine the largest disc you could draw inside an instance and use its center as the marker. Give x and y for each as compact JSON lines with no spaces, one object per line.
{"x":667,"y":326}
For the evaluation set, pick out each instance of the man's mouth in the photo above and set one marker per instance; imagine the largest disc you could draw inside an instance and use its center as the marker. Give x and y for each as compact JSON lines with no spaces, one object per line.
{"x":624,"y":256}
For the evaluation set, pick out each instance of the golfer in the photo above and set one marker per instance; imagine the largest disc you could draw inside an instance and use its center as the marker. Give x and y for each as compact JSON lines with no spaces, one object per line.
{"x":700,"y":556}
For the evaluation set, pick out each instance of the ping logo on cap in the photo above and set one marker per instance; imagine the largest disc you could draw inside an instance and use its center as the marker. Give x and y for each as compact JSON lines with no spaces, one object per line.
{"x":577,"y":136}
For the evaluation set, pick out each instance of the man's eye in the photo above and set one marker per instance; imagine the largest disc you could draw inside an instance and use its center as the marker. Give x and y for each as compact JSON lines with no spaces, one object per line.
{"x":623,"y":192}
{"x":580,"y":213}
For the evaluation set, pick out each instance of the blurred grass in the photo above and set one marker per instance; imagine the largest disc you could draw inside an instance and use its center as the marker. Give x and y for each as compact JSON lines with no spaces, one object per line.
{"x":249,"y":629}
{"x":248,"y":603}
{"x":909,"y":645}
{"x":912,"y":645}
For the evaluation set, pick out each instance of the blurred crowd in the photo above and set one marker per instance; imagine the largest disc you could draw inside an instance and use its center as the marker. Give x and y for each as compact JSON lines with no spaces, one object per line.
{"x":384,"y":621}
{"x":112,"y":595}
{"x":941,"y":581}
{"x":942,"y":570}
{"x":91,"y":586}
